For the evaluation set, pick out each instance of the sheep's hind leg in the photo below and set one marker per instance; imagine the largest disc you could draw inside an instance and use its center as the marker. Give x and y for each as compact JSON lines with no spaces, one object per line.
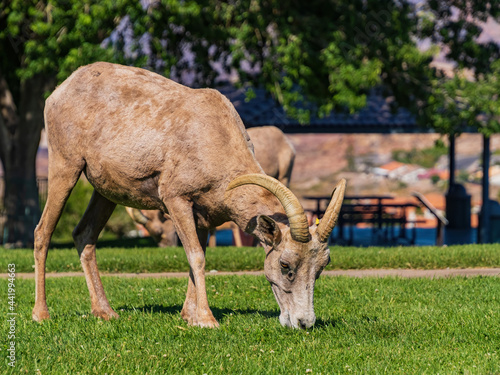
{"x":189,"y":308}
{"x":181,"y":212}
{"x":85,"y":236}
{"x":62,"y":179}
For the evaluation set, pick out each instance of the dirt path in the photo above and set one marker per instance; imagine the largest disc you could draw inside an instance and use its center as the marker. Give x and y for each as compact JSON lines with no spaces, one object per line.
{"x":405,"y":273}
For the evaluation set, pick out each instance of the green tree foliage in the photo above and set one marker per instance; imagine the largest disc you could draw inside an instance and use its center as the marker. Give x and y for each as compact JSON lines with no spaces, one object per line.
{"x":457,"y":24}
{"x":328,"y":53}
{"x":461,"y":102}
{"x":54,"y":38}
{"x":331,"y":53}
{"x":470,"y":98}
{"x":41,"y":42}
{"x":319,"y":55}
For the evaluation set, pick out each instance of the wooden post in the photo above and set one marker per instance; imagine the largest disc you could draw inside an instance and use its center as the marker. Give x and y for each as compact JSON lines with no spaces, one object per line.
{"x":451,"y":161}
{"x":484,"y":230}
{"x":440,"y":233}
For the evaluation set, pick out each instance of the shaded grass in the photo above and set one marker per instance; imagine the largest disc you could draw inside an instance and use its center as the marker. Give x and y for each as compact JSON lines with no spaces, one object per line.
{"x":368,"y":325}
{"x":154,"y":259}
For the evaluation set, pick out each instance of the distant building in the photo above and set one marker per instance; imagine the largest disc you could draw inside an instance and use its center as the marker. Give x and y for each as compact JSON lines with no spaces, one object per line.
{"x":442,"y":174}
{"x":494,"y":175}
{"x":390,"y":170}
{"x":395,"y":170}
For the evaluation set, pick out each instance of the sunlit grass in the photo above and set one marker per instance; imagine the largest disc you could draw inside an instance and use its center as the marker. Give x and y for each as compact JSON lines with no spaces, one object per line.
{"x":249,"y":258}
{"x":369,"y":325}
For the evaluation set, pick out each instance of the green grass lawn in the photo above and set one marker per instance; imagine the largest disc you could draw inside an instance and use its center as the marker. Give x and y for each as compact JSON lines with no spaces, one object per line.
{"x":248,"y":258}
{"x":369,"y":325}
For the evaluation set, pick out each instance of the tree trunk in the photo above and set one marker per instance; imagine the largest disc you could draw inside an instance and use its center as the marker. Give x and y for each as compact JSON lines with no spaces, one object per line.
{"x":19,"y":139}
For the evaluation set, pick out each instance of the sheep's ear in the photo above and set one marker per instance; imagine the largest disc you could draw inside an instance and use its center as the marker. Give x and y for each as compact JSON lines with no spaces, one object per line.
{"x":267,"y":230}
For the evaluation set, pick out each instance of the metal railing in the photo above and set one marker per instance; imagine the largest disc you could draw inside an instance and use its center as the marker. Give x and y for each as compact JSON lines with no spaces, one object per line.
{"x":441,"y":220}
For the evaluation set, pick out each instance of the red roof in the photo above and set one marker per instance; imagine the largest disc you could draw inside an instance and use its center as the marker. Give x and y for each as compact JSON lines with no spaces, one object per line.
{"x":392,"y":165}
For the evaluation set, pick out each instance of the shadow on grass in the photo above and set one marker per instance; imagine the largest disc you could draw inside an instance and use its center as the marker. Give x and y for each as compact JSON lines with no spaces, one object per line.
{"x":220,"y":314}
{"x":320,"y":323}
{"x":153,"y":309}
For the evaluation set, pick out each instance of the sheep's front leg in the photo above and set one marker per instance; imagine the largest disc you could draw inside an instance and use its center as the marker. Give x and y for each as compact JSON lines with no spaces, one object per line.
{"x":189,"y":308}
{"x":188,"y":312}
{"x":195,"y":310}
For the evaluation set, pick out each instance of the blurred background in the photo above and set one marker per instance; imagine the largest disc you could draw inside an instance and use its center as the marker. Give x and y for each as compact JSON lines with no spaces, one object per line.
{"x":401,"y":98}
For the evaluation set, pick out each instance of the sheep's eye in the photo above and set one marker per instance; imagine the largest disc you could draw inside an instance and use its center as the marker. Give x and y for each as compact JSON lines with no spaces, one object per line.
{"x":284,"y":265}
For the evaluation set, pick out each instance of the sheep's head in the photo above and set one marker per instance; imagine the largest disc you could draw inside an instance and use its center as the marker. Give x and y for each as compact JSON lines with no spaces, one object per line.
{"x":296,"y":254}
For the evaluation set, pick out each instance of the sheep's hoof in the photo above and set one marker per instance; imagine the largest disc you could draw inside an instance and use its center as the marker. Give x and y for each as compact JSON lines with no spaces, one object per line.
{"x":193,"y":319}
{"x":106,"y":314}
{"x":39,"y":315}
{"x":207,"y":322}
{"x":213,"y":324}
{"x":189,"y":317}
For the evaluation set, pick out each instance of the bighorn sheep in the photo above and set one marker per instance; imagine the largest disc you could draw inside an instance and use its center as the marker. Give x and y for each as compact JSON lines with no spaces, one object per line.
{"x":275,"y":154}
{"x":146,"y":142}
{"x":273,"y":151}
{"x":158,"y":225}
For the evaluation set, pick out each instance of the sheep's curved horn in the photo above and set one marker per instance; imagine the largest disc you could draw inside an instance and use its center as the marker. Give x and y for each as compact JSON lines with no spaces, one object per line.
{"x":331,"y":215}
{"x":299,"y":228}
{"x":137,"y":215}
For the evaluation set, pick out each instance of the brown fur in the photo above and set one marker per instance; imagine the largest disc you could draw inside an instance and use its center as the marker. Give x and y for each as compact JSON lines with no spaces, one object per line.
{"x":147,"y":142}
{"x":275,"y":154}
